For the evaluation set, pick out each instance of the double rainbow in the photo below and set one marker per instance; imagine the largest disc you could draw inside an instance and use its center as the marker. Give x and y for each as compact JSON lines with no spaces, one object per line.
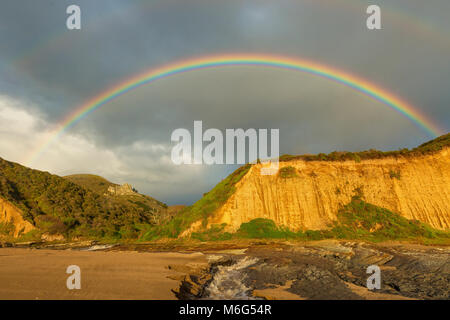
{"x":294,"y":64}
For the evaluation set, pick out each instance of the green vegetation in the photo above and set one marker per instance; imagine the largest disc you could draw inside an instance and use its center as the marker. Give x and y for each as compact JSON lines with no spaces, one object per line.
{"x":365,"y":221}
{"x":92,"y":182}
{"x":100,"y":186}
{"x":259,"y":228}
{"x":357,"y":220}
{"x":394,"y":174}
{"x":215,"y":233}
{"x":6,"y":229}
{"x":287,"y":172}
{"x":59,"y":206}
{"x":263,"y":228}
{"x":434,"y":145}
{"x":429,"y":147}
{"x":200,"y":210}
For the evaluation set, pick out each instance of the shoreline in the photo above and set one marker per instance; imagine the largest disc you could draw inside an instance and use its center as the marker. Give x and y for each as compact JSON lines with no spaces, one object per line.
{"x":325,"y":269}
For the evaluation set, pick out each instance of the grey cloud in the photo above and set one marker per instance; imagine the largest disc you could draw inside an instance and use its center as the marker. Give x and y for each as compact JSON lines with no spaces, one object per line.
{"x":54,"y":70}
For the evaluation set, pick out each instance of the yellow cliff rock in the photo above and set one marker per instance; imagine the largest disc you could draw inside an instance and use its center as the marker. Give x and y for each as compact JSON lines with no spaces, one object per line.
{"x":414,"y":187}
{"x":9,"y":213}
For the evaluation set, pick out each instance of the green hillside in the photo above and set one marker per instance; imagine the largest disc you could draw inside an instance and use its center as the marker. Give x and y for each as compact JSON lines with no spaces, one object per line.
{"x":429,"y":147}
{"x":91,"y":181}
{"x":58,"y":206}
{"x":365,"y":221}
{"x":200,"y":210}
{"x":358,"y":220}
{"x":100,"y":186}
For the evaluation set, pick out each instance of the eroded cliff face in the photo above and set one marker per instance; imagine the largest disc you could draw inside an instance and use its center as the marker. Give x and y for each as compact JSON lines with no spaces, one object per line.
{"x":416,"y":188}
{"x":11,"y":214}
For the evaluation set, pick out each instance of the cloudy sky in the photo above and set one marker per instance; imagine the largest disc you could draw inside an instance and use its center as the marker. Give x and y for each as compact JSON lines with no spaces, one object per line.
{"x":47,"y":71}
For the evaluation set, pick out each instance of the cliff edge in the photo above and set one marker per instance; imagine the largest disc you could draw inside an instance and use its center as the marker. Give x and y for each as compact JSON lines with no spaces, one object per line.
{"x":308,"y":194}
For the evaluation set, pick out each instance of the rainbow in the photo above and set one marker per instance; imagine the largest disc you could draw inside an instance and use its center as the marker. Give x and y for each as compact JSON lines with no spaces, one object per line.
{"x":295,"y":64}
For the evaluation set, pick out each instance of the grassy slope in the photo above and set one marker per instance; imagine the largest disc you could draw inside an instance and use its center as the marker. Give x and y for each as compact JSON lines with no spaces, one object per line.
{"x":362,"y":220}
{"x":200,"y":210}
{"x":91,"y":181}
{"x":56,"y":205}
{"x":100,"y":186}
{"x":429,"y":147}
{"x":357,"y":220}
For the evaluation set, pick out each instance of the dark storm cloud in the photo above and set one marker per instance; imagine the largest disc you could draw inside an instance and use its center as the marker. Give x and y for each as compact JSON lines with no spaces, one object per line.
{"x":56,"y":69}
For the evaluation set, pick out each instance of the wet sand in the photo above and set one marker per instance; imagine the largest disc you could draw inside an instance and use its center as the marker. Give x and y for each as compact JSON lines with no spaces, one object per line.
{"x":41,"y":274}
{"x":326,"y":269}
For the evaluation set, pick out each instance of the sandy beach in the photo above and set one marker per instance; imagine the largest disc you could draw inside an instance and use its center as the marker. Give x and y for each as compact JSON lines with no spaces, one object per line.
{"x":41,"y":274}
{"x":317,"y":270}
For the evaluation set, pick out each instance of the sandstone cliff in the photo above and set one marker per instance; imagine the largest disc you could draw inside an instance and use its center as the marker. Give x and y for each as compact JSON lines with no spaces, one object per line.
{"x":10,"y":214}
{"x":310,"y":196}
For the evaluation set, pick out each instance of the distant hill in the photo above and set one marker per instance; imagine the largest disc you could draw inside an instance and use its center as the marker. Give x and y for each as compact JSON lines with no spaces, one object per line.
{"x":56,"y":205}
{"x":125,"y":194}
{"x":104,"y":187}
{"x":92,"y":182}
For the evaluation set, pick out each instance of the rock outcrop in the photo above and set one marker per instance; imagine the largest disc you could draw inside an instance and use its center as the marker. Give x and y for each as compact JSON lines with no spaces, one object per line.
{"x":122,"y":190}
{"x":310,"y":196}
